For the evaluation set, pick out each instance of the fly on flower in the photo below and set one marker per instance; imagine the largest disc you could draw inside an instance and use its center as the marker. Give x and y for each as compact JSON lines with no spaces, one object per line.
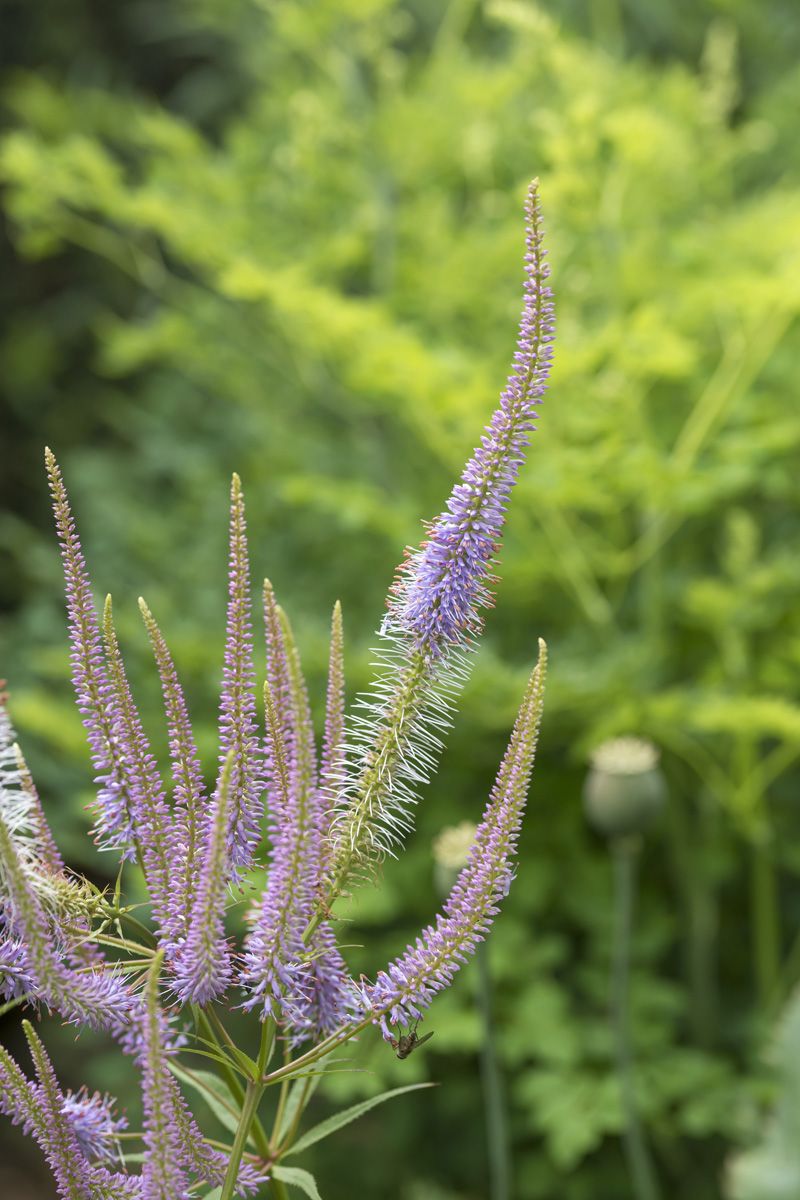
{"x":407,"y":1043}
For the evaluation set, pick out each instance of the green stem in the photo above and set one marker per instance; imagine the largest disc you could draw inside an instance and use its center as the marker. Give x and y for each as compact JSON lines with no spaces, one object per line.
{"x":278,"y":1189}
{"x":766,"y":921}
{"x":232,"y":1083}
{"x":763,"y":881}
{"x":640,"y":1166}
{"x":252,"y":1096}
{"x":496,"y":1127}
{"x":318,"y":1052}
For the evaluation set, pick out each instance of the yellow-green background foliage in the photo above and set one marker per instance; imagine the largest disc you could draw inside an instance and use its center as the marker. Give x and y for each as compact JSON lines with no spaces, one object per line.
{"x":285,"y":238}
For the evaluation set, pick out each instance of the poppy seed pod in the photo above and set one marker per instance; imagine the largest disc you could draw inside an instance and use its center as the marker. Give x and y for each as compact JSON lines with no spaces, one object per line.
{"x":625,"y":789}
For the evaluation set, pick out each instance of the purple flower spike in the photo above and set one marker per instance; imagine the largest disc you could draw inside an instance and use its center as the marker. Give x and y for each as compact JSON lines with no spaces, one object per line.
{"x":187,"y":775}
{"x":157,"y":838}
{"x":332,"y":765}
{"x":406,"y":988}
{"x":282,"y":732}
{"x":90,"y":678}
{"x":275,"y":970}
{"x":163,"y":1176}
{"x":95,"y":997}
{"x":203,"y":965}
{"x":441,"y":587}
{"x":237,"y":722}
{"x":60,"y":1142}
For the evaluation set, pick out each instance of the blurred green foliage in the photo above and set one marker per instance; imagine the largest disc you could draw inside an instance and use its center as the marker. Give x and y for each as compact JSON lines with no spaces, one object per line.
{"x":285,"y":238}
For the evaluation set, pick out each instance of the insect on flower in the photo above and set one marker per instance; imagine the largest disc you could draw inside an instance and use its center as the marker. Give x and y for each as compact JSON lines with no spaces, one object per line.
{"x":407,"y":1043}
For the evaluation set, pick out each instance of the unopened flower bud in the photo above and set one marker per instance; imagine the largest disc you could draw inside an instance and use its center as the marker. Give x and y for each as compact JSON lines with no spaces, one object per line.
{"x":625,"y":789}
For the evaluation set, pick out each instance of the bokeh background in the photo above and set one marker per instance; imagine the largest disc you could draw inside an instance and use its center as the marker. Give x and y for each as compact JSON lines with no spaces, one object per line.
{"x":284,"y":237}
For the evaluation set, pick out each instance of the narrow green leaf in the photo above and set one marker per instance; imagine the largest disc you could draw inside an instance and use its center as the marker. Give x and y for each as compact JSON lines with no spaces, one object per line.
{"x":347,"y":1115}
{"x":215,"y":1195}
{"x":296,"y":1177}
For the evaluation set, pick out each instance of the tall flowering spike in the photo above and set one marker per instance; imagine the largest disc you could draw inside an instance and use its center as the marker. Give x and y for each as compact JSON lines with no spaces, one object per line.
{"x":275,"y":971}
{"x":163,"y":1176}
{"x":391,"y":749}
{"x":304,"y":751}
{"x":67,"y":1161}
{"x":237,"y":722}
{"x":155,"y":832}
{"x":331,"y":765}
{"x":203,"y":964}
{"x":94,"y":997}
{"x":405,"y":989}
{"x":90,"y":678}
{"x":394,"y":738}
{"x":187,"y":773}
{"x":282,"y":732}
{"x":442,"y":587}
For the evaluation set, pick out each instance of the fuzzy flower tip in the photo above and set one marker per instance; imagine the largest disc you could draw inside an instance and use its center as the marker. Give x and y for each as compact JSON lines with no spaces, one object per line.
{"x":187,"y":774}
{"x":406,"y":988}
{"x":90,"y":680}
{"x":442,"y":587}
{"x":237,"y":720}
{"x":203,"y":966}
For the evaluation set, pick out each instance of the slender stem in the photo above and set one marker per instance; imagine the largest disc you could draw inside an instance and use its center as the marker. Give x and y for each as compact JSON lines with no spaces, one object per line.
{"x":318,"y":1052}
{"x":301,"y":1108}
{"x":643,"y":1179}
{"x":232,"y":1082}
{"x":278,"y":1188}
{"x":252,"y":1096}
{"x":765,"y":923}
{"x":763,"y":878}
{"x":494,"y":1103}
{"x":273,"y":1137}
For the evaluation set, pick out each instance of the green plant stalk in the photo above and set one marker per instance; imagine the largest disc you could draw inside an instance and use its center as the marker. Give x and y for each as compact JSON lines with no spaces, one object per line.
{"x":692,"y":840}
{"x":494,"y":1102}
{"x":643,"y":1179}
{"x":232,"y":1082}
{"x":252,"y":1097}
{"x":766,"y":923}
{"x":763,"y":883}
{"x":253,"y":1093}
